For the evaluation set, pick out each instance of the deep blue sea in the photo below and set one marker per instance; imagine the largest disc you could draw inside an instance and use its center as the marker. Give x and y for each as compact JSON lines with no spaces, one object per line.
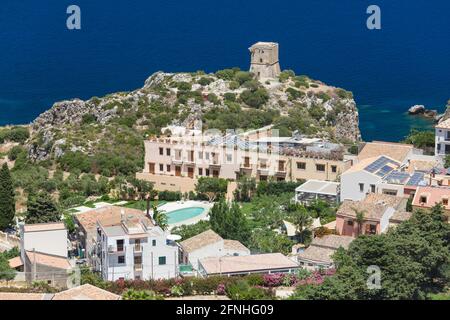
{"x":122,"y":42}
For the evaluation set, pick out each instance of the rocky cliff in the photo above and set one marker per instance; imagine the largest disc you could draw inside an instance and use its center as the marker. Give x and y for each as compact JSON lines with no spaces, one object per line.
{"x":228,"y":98}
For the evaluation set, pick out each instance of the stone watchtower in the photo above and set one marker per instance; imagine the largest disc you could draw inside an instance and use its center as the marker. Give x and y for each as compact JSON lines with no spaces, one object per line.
{"x":264,"y":60}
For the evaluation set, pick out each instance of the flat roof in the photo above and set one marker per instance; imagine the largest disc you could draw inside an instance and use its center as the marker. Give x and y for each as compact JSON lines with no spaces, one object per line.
{"x":51,"y":226}
{"x":242,"y":264}
{"x":318,"y":186}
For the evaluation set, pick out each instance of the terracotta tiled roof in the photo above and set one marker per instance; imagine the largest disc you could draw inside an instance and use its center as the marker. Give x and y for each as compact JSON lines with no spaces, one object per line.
{"x":23,"y":296}
{"x":317,"y":254}
{"x":400,"y":216}
{"x":108,"y":216}
{"x":48,"y":260}
{"x":15,"y":262}
{"x":378,"y":198}
{"x":444,"y":124}
{"x":85,"y":292}
{"x":373,"y":206}
{"x":234,"y":245}
{"x":44,"y":227}
{"x":332,"y":241}
{"x":199,"y":241}
{"x":396,"y":151}
{"x":237,"y":264}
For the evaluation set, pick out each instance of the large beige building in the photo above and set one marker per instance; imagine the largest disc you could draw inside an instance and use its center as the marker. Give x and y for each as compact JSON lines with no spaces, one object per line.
{"x":175,"y":163}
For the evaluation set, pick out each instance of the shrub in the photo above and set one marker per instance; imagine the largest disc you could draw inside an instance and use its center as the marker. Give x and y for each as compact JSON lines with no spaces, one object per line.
{"x":285,"y":75}
{"x":213,"y":98}
{"x":184,"y":86}
{"x":256,"y":98}
{"x":15,"y":134}
{"x":88,"y":118}
{"x":294,"y":94}
{"x":169,"y":195}
{"x":241,"y":290}
{"x":229,"y":96}
{"x":204,"y":81}
{"x":131,"y":294}
{"x":233,"y":85}
{"x":14,"y":152}
{"x":227,"y":74}
{"x":242,"y":76}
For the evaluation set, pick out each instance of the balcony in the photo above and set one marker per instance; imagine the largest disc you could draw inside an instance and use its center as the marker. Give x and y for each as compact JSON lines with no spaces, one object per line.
{"x":246,"y":167}
{"x":116,"y":250}
{"x":178,"y":160}
{"x":263,"y":169}
{"x":215,"y":164}
{"x":137,"y":248}
{"x":138,"y":267}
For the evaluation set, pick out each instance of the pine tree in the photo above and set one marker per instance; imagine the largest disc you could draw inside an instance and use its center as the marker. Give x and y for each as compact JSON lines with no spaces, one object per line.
{"x":7,"y":202}
{"x":41,"y":209}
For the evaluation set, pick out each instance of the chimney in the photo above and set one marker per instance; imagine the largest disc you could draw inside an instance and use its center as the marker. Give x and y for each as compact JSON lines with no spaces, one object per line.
{"x":122,"y":215}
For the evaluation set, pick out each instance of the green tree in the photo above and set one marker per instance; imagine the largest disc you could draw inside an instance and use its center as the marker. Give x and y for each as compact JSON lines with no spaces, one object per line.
{"x":246,"y":187}
{"x":360,"y":217}
{"x":229,"y":221}
{"x":6,"y":273}
{"x":212,"y":187}
{"x":41,"y":209}
{"x":188,"y":231}
{"x":413,"y":259}
{"x":302,"y":220}
{"x":7,"y":202}
{"x":447,"y":161}
{"x":160,"y":218}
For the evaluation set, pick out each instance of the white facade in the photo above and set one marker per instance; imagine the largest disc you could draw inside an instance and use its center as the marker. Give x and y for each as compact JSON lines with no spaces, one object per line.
{"x":442,"y":141}
{"x":355,"y":185}
{"x":48,"y":238}
{"x":126,"y":254}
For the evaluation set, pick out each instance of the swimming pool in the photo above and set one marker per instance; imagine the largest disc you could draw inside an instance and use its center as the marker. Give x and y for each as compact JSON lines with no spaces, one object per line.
{"x":183,"y":214}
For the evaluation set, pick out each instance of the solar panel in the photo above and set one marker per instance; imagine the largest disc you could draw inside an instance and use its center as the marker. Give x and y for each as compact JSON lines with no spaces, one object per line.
{"x":397,"y":177}
{"x":384,"y":171}
{"x":416,"y":178}
{"x":379,"y":164}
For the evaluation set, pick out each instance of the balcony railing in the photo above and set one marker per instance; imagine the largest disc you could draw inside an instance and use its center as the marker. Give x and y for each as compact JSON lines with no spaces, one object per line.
{"x":116,"y":250}
{"x":138,"y":267}
{"x":137,"y":248}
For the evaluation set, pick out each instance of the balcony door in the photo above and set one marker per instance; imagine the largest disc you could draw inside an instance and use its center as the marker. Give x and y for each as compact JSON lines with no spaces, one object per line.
{"x":178,"y":171}
{"x":151,"y":167}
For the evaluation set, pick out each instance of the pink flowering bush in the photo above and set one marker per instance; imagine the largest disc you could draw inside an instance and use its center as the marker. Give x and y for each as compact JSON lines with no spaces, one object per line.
{"x":221,"y":290}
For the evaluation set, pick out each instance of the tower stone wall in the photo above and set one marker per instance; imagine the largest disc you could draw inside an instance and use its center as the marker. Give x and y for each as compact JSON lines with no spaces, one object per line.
{"x":264,"y":61}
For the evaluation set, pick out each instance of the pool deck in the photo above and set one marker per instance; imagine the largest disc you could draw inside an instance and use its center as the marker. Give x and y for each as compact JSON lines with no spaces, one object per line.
{"x":172,"y":206}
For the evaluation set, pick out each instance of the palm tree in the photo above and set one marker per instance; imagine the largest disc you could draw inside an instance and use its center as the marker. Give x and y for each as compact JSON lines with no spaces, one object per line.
{"x":160,"y":218}
{"x":360,"y":217}
{"x":301,"y":218}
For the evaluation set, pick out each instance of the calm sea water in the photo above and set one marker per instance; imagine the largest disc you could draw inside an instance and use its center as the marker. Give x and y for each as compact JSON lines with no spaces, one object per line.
{"x":122,"y":42}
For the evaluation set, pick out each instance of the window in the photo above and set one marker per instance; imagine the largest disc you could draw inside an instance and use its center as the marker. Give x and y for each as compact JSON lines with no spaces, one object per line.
{"x":320,"y":167}
{"x":445,"y":202}
{"x":161,"y":167}
{"x":207,"y":172}
{"x":390,"y":192}
{"x":162,"y":261}
{"x":334,"y":169}
{"x":372,"y":188}
{"x":301,"y":165}
{"x":350,"y":223}
{"x":168,"y":168}
{"x":161,"y":151}
{"x":200,"y":171}
{"x":423,"y":199}
{"x":207,"y":155}
{"x":168,"y":151}
{"x":361,"y":187}
{"x":119,"y":244}
{"x":229,"y":158}
{"x":121,"y":259}
{"x":154,"y":243}
{"x":200,"y":155}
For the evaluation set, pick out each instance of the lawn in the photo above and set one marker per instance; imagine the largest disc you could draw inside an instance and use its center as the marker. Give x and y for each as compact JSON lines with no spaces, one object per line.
{"x":142,"y":204}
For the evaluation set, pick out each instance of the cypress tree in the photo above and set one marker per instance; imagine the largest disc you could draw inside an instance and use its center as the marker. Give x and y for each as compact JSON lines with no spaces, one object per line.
{"x":7,"y":202}
{"x":41,"y":209}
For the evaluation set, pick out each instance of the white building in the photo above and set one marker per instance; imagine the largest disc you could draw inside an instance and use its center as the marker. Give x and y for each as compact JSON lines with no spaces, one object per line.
{"x":442,"y":142}
{"x":317,"y":190}
{"x":48,"y":238}
{"x":134,"y":248}
{"x":209,"y":244}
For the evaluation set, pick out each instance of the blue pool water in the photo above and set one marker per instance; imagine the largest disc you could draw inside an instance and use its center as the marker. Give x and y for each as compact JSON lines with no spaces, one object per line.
{"x":184,"y":214}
